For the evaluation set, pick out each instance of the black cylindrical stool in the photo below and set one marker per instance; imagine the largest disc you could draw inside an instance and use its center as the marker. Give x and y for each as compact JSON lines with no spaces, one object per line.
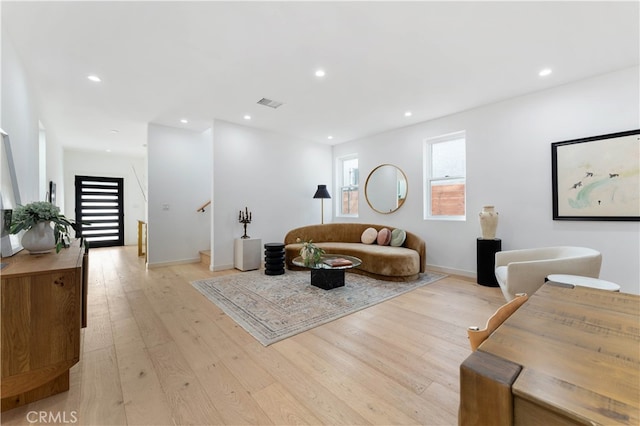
{"x":274,"y":258}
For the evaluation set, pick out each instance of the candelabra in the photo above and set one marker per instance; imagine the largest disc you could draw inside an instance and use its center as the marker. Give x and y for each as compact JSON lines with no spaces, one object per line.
{"x":244,"y":217}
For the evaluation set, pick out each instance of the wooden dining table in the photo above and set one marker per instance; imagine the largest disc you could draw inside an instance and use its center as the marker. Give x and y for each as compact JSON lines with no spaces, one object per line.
{"x":566,"y":356}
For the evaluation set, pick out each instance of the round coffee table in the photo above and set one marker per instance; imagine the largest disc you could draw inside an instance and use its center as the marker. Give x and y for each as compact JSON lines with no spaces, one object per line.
{"x":329,"y":272}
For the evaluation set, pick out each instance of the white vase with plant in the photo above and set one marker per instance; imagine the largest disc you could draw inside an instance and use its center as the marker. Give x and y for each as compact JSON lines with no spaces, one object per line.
{"x":311,"y":254}
{"x":46,"y":228}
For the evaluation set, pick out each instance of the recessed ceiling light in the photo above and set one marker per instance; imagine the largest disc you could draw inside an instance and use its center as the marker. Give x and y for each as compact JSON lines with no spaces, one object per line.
{"x":108,"y":150}
{"x":184,"y":121}
{"x":247,"y":117}
{"x":408,"y":114}
{"x":544,"y":72}
{"x":115,"y":131}
{"x":320,"y":73}
{"x":329,"y":137}
{"x":94,"y":78}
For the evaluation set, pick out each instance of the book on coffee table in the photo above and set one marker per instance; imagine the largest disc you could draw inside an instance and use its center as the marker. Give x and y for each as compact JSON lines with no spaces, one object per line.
{"x":338,"y":261}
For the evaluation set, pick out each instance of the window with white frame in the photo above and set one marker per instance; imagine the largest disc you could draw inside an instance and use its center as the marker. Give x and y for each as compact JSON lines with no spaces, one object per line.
{"x":348,"y":178}
{"x":445,"y":177}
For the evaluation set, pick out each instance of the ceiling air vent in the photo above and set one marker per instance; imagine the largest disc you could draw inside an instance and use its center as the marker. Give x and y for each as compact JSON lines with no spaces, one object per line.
{"x":270,"y":103}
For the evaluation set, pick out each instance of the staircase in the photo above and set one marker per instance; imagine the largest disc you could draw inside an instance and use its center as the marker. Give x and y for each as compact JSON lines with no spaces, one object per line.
{"x":205,"y":257}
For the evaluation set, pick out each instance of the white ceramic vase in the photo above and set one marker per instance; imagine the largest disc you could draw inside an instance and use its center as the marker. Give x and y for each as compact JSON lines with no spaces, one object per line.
{"x":488,"y":222}
{"x":39,"y":239}
{"x":307,"y":256}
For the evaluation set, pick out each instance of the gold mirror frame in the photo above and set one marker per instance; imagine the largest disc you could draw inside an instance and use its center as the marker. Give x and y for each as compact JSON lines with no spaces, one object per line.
{"x":386,"y":188}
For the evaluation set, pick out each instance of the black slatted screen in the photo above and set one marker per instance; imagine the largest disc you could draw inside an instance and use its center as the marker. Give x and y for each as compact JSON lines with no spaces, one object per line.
{"x":99,"y":205}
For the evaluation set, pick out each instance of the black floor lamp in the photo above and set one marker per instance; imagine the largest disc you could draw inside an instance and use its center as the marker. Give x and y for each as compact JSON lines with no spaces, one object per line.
{"x":322,"y":193}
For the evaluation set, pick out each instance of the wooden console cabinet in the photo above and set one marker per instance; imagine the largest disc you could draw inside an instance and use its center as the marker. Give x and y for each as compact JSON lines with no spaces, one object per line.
{"x":43,"y":305}
{"x":568,"y":356}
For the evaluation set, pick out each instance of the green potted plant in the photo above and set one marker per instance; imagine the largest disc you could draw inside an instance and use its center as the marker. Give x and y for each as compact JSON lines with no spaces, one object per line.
{"x":45,"y":226}
{"x":311,"y":254}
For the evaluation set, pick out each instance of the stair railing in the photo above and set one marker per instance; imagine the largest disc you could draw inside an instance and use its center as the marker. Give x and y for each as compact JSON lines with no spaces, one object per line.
{"x":201,"y":208}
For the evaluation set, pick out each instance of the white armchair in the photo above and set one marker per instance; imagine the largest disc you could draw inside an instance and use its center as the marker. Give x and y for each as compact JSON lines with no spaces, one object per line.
{"x":524,"y":271}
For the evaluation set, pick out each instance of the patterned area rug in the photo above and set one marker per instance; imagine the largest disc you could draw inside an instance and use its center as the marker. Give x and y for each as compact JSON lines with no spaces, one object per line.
{"x":272,"y":308}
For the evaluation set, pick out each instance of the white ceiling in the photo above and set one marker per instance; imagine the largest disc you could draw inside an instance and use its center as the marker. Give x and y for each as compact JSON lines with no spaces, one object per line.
{"x":164,"y":61}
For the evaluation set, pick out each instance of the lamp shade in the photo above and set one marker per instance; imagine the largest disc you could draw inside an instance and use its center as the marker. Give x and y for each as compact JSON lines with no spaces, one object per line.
{"x":322,"y":192}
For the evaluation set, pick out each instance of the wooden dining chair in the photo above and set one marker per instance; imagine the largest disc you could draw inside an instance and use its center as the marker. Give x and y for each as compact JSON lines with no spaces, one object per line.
{"x":477,"y":336}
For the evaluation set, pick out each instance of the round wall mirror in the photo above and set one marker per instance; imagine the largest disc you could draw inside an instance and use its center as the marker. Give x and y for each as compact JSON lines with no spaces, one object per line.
{"x":386,"y":188}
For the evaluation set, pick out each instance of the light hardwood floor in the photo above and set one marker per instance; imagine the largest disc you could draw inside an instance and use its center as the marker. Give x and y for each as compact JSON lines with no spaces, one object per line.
{"x":156,"y":352}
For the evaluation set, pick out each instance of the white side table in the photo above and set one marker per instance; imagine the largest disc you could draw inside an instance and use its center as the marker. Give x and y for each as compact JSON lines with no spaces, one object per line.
{"x":246,"y":253}
{"x":576,"y":280}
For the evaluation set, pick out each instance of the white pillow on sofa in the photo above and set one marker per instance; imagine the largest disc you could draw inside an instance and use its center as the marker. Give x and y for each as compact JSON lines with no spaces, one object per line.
{"x":369,"y":236}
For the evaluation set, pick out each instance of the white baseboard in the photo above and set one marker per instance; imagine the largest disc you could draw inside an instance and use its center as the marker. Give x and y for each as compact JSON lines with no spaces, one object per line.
{"x":175,"y":262}
{"x":215,"y":268}
{"x":452,"y":271}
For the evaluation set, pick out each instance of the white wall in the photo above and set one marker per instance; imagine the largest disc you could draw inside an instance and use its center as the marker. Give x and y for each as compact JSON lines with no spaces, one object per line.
{"x":179,"y":177}
{"x":509,"y":166}
{"x":508,"y":150}
{"x":274,"y":175}
{"x":55,"y":153}
{"x":78,"y":163}
{"x":19,"y":118}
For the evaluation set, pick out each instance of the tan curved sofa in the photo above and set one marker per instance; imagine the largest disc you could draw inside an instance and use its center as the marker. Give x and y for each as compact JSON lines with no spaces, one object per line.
{"x":381,"y":262}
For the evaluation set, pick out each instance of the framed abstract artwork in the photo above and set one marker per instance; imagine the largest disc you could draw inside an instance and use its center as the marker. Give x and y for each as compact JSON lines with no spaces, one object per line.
{"x":597,"y":178}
